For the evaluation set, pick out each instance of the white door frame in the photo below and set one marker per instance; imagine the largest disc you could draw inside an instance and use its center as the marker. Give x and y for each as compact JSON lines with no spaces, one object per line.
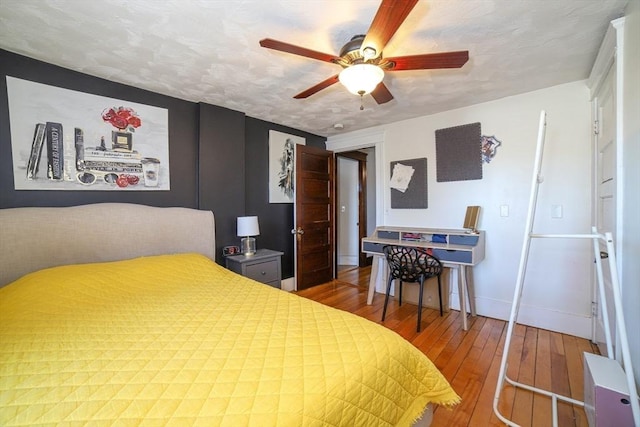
{"x":365,"y":139}
{"x":607,"y":61}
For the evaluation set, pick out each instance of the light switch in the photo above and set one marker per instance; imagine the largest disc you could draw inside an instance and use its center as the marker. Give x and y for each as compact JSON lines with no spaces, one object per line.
{"x":556,"y":211}
{"x":504,"y":210}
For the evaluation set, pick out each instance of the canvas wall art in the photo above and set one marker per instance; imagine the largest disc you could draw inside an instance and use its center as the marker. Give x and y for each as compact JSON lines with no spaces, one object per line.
{"x":282,"y":166}
{"x":67,"y":140}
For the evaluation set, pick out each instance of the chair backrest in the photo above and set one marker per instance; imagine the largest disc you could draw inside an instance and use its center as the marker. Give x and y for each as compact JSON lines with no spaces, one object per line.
{"x":408,"y":264}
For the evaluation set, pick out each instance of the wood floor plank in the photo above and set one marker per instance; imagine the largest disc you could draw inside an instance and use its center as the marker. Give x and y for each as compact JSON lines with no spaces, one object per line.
{"x":483,"y":414}
{"x":465,"y":382}
{"x":478,"y":375}
{"x":575,"y":348}
{"x":541,"y":403}
{"x":451,"y":364}
{"x":560,"y":379}
{"x":429,"y":336}
{"x":470,"y":360}
{"x":523,"y":400}
{"x":508,"y":392}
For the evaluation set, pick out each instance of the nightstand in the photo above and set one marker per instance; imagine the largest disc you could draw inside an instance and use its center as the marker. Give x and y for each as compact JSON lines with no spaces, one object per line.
{"x":263,"y":266}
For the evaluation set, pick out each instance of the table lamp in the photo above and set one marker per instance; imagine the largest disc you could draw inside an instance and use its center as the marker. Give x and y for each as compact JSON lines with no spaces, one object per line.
{"x":247,"y":228}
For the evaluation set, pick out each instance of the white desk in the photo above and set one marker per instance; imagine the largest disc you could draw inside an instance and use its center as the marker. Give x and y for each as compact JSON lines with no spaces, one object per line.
{"x":457,"y":249}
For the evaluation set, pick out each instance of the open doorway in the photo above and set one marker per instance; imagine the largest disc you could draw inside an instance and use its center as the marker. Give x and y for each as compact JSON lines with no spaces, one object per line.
{"x":355,"y":211}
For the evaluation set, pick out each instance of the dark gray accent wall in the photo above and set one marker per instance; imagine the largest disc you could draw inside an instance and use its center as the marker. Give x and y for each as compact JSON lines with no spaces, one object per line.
{"x":183,"y":139}
{"x":222,"y":170}
{"x":218,"y":159}
{"x":276,"y":219}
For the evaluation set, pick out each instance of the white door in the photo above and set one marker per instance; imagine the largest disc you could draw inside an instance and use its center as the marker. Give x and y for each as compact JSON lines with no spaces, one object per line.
{"x":605,"y":173}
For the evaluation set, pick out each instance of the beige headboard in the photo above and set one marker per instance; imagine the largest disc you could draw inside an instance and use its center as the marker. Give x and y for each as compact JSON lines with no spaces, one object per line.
{"x":35,"y":238}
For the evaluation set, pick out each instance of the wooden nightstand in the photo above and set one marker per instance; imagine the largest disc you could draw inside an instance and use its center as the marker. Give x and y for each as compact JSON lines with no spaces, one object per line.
{"x":263,"y":266}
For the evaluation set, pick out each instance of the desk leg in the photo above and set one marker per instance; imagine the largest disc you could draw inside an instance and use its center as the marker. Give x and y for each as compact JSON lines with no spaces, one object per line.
{"x":466,"y":290}
{"x":462,"y":293}
{"x":375,"y":265}
{"x":470,"y":289}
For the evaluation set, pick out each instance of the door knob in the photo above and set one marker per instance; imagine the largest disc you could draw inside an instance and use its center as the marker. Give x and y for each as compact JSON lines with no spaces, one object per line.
{"x":298,"y":232}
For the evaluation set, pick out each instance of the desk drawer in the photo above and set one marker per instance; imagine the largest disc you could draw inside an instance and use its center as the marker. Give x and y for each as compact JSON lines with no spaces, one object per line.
{"x":469,"y":240}
{"x":370,"y":247}
{"x":263,"y":271}
{"x":453,"y":255}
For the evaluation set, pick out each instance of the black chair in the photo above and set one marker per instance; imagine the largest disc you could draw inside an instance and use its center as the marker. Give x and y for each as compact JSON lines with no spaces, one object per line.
{"x":411,"y":265}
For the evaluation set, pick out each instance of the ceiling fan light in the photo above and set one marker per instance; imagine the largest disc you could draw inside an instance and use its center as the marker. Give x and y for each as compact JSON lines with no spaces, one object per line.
{"x":361,"y":79}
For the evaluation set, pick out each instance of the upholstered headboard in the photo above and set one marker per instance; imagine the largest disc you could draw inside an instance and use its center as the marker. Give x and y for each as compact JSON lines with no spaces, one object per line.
{"x":36,"y":238}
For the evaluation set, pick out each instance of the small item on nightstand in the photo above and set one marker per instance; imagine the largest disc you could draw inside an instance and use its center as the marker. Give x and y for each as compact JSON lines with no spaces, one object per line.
{"x":230,"y":250}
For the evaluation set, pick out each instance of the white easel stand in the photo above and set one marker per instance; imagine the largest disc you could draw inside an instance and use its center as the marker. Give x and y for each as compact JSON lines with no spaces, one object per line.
{"x":620,"y":325}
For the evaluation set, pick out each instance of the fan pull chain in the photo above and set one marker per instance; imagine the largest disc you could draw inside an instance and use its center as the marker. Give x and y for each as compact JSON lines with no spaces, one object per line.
{"x":361,"y":93}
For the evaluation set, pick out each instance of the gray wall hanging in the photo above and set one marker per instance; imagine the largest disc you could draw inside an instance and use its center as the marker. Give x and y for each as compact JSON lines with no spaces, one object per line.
{"x":409,"y":184}
{"x":458,"y":153}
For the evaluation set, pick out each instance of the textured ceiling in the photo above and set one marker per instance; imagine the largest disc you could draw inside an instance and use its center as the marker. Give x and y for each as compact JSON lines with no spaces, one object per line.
{"x":208,"y":51}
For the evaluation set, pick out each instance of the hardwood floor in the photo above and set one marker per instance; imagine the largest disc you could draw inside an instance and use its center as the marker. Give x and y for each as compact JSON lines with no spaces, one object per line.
{"x":471,"y":360}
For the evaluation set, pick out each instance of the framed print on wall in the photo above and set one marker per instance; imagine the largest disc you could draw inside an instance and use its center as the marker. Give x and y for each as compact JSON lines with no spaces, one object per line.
{"x":282,"y":166}
{"x":63,"y":139}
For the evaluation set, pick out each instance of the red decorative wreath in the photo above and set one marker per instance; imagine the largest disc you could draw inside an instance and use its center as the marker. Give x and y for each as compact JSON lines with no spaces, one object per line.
{"x":122,"y":118}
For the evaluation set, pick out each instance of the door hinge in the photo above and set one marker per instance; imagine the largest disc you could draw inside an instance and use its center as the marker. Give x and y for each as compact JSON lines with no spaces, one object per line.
{"x":594,"y":308}
{"x":596,"y":127}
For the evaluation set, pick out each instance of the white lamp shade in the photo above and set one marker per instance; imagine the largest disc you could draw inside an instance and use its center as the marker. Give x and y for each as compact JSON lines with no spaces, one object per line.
{"x":361,"y":79}
{"x":248,"y":226}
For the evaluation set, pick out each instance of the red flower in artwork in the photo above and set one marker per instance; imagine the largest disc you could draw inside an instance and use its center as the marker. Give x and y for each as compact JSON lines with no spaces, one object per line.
{"x":122,"y":118}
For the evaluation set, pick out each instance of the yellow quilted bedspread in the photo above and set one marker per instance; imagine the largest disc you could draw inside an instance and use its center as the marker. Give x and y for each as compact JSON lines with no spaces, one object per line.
{"x":179,"y":340}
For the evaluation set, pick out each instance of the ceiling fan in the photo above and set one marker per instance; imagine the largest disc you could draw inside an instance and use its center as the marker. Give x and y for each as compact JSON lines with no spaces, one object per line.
{"x":361,"y":58}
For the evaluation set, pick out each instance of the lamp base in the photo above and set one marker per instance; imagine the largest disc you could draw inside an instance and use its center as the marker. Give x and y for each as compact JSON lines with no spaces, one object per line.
{"x":248,"y":245}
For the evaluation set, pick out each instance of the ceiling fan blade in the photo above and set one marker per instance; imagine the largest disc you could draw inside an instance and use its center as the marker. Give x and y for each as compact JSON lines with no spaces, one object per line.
{"x":297,"y":50}
{"x":381,"y":94}
{"x":317,"y":88}
{"x":391,"y":14}
{"x":429,"y":61}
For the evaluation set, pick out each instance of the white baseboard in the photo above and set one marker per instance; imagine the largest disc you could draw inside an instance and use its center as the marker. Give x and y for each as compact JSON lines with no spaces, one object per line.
{"x":288,"y":285}
{"x":539,"y":317}
{"x":348,"y":260}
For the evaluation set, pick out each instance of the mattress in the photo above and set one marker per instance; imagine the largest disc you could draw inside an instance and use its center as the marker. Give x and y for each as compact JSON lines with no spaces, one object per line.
{"x":179,"y":340}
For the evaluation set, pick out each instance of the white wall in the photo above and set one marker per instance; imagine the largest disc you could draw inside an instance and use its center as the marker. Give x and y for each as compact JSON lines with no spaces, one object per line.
{"x":348,"y":205}
{"x":630,"y":271}
{"x":557,"y":287}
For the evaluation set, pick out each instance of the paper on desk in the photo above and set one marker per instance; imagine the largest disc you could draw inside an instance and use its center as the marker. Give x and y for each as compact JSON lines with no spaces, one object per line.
{"x":401,"y":177}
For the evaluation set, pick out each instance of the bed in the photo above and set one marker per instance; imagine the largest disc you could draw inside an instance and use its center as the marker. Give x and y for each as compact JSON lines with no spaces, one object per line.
{"x":117,"y":314}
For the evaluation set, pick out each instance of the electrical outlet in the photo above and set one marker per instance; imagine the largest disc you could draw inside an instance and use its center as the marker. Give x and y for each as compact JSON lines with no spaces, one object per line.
{"x":504,"y":210}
